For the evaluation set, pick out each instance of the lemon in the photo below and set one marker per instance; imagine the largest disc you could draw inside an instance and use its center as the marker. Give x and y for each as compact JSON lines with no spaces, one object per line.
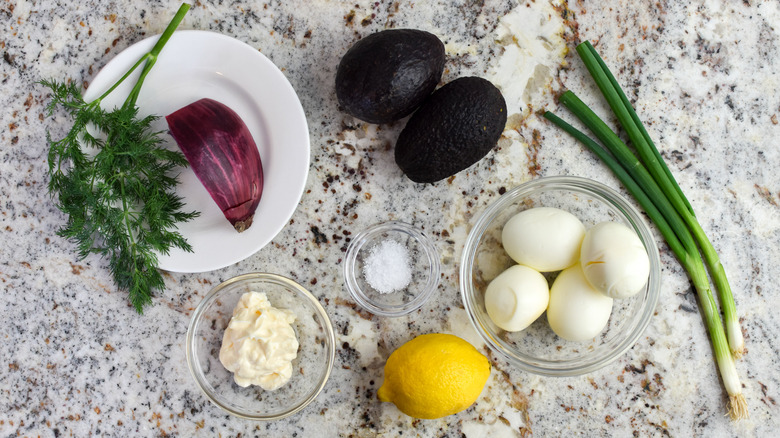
{"x":433,"y":376}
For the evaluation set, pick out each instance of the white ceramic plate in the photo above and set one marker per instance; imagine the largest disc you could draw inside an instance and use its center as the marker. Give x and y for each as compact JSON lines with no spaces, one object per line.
{"x":198,"y":64}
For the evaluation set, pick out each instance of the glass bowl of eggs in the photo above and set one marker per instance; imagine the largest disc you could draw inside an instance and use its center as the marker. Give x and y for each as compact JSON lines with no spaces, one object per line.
{"x":560,"y":276}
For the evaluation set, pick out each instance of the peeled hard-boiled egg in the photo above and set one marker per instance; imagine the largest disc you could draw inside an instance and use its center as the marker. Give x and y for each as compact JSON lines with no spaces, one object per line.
{"x":516,"y":298}
{"x":614,"y":260}
{"x":544,"y":238}
{"x":577,"y":311}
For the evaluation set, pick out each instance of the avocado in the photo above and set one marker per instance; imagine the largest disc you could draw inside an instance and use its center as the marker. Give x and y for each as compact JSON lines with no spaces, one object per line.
{"x":454,"y":128}
{"x":386,"y":75}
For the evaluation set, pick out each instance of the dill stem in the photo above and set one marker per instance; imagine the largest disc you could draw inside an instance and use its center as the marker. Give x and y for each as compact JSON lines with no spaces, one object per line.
{"x":148,"y":60}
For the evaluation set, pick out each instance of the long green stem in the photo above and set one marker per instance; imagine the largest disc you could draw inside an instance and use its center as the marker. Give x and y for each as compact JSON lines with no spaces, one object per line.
{"x":628,"y":182}
{"x":687,"y":254}
{"x":148,"y":60}
{"x":632,"y":165}
{"x":656,"y":193}
{"x":726,"y":366}
{"x":97,"y":101}
{"x":627,"y":104}
{"x":653,"y":161}
{"x":733,"y":330}
{"x":728,"y":306}
{"x":155,"y":52}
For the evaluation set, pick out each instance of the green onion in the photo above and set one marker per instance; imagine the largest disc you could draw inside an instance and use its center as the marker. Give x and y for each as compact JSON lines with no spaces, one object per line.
{"x":651,"y":183}
{"x":655,"y":164}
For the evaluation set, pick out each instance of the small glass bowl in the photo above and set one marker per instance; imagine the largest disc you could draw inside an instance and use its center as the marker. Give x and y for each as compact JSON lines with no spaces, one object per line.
{"x":424,"y":263}
{"x":538,"y":349}
{"x":311,"y":368}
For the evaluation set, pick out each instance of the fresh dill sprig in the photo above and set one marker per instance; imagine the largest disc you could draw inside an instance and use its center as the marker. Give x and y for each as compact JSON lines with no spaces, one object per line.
{"x":113,"y":179}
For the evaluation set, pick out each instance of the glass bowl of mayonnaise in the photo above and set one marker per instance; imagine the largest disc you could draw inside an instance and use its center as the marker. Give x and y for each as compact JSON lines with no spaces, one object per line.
{"x":260,"y":346}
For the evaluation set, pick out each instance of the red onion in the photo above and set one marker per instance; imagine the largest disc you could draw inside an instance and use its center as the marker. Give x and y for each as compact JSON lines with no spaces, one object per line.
{"x":223,"y":155}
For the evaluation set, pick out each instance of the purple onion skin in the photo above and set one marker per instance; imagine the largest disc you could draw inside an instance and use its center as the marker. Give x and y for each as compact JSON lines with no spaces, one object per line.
{"x":223,"y":155}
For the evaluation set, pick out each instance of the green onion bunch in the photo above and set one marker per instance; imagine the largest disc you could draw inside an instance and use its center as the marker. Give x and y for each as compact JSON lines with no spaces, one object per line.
{"x":644,"y":174}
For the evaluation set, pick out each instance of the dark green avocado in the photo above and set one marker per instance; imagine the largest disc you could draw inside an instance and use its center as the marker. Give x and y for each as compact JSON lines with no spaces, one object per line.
{"x":454,"y":128}
{"x":386,"y":75}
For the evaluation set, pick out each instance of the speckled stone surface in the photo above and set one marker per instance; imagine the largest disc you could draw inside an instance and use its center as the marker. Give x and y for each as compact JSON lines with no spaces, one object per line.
{"x":78,"y":361}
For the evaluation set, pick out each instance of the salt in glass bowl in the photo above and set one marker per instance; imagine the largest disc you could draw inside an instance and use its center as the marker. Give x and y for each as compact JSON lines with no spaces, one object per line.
{"x":538,"y":349}
{"x":311,"y":367}
{"x":423,"y":261}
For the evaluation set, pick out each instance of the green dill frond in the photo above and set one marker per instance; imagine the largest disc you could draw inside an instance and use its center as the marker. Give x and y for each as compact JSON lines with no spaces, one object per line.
{"x":115,"y":182}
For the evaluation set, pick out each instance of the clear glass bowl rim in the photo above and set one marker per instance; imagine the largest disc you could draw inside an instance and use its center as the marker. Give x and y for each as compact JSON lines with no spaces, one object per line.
{"x":195,"y":368}
{"x":365,"y":236}
{"x":598,"y":191}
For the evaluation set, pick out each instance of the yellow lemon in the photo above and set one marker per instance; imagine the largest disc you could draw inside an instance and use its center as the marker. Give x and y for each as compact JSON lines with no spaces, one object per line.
{"x":433,"y":376}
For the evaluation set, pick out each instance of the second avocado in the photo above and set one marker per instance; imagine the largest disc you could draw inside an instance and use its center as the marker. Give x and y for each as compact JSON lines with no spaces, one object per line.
{"x":454,"y":128}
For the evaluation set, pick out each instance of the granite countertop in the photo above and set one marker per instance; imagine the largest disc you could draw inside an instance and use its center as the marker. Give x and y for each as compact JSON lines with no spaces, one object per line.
{"x":78,"y":360}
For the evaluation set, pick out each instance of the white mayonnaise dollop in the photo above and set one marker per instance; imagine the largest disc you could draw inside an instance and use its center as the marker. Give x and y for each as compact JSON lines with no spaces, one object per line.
{"x":259,"y":344}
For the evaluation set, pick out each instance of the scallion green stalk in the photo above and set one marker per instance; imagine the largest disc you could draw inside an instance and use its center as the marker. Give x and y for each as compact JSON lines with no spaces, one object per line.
{"x":655,"y":164}
{"x":653,"y":186}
